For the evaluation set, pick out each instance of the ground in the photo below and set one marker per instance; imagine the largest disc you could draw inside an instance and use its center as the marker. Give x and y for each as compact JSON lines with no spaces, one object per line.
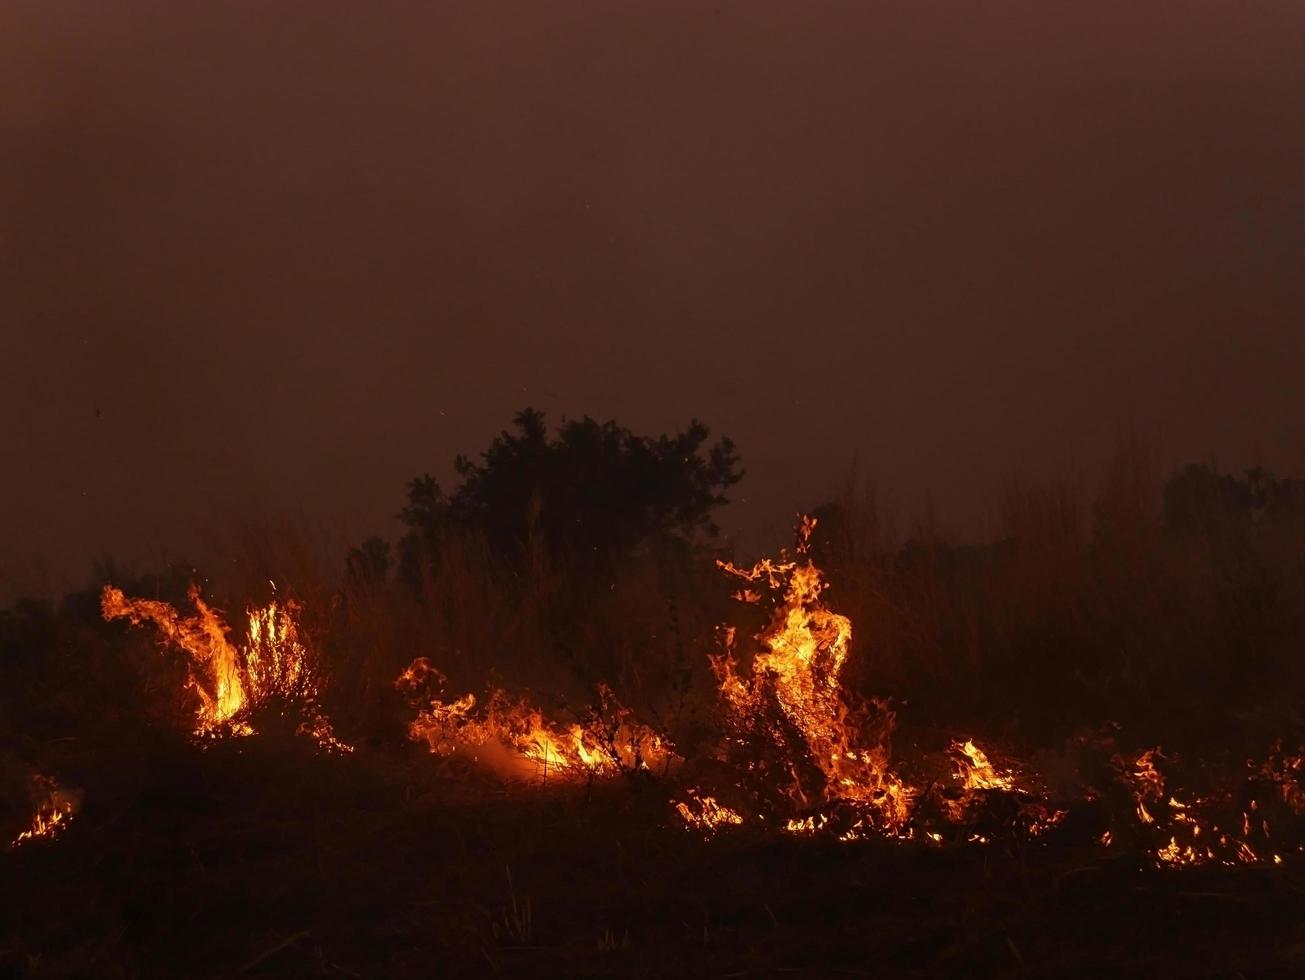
{"x":264,"y":857}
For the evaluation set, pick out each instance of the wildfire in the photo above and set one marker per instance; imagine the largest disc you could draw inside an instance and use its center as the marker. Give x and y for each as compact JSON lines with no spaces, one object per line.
{"x":808,"y":758}
{"x":272,"y":668}
{"x":791,"y":697}
{"x":1193,"y":835}
{"x":54,"y":811}
{"x":513,"y":736}
{"x":705,"y":814}
{"x":975,"y":771}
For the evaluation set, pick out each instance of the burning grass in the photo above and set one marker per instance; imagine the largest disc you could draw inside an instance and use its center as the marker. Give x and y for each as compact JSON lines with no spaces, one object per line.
{"x":271,"y":674}
{"x":795,"y":750}
{"x":53,"y":810}
{"x":513,"y":738}
{"x":520,"y":839}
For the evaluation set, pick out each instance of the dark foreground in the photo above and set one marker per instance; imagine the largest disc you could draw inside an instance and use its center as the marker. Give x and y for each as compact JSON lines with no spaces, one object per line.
{"x":257,"y":858}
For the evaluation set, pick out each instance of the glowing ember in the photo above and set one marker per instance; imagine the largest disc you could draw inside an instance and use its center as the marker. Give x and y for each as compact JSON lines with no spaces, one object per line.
{"x":810,"y":825}
{"x":271,"y":669}
{"x":1188,"y":834}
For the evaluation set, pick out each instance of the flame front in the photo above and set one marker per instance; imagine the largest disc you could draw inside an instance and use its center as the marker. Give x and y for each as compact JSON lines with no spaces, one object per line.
{"x":797,"y":669}
{"x":271,"y":666}
{"x":609,"y":741}
{"x":214,"y":663}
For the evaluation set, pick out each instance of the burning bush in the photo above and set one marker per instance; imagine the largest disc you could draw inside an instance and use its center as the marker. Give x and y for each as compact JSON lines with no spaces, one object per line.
{"x":269,"y":679}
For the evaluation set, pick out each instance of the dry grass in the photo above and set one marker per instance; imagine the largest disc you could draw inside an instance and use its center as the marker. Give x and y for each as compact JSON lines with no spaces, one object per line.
{"x":259,"y":857}
{"x":264,"y":859}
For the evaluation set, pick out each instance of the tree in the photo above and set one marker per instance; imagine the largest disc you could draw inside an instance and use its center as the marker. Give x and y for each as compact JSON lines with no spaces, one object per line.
{"x":1199,"y":500}
{"x":595,"y":493}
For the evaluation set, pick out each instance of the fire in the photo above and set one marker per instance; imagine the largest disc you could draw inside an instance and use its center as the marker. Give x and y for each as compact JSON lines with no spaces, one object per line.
{"x":705,"y":814}
{"x":272,"y":668}
{"x":54,"y":811}
{"x":791,"y":696}
{"x":810,"y":825}
{"x":513,"y":736}
{"x":1187,"y":827}
{"x":809,"y":759}
{"x":975,"y":771}
{"x":214,"y":668}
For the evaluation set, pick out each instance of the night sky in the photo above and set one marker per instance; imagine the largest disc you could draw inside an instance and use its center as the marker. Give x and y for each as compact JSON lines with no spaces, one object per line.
{"x":277,"y":258}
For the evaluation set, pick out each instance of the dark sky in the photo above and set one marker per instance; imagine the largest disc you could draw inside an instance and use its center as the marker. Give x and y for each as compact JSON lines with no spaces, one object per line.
{"x":278,"y":257}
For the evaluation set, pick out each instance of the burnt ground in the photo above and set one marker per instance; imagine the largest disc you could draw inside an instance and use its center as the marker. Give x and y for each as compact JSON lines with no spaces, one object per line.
{"x":259,"y":858}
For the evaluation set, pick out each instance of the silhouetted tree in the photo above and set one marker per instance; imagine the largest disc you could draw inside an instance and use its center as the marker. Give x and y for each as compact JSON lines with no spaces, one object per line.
{"x":426,"y":515}
{"x":1199,"y":500}
{"x":594,"y":493}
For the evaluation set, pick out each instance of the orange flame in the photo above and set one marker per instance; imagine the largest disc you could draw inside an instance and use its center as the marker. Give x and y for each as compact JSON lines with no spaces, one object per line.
{"x":272,"y":664}
{"x":975,"y":771}
{"x":705,"y":814}
{"x":214,"y":661}
{"x":801,"y":656}
{"x":54,"y":811}
{"x":609,"y":742}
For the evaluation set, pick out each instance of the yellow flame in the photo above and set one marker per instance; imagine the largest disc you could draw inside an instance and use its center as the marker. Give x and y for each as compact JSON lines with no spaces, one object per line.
{"x":271,"y":663}
{"x":54,"y":811}
{"x":797,"y":667}
{"x":611,"y":743}
{"x":705,"y":814}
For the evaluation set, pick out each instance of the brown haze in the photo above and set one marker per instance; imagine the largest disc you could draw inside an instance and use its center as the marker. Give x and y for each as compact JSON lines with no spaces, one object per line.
{"x":280,"y":257}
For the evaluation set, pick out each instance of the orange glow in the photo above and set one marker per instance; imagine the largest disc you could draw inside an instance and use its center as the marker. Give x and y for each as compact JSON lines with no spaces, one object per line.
{"x":272,"y":667}
{"x":513,"y":737}
{"x":704,"y":814}
{"x":54,"y":811}
{"x":796,"y":668}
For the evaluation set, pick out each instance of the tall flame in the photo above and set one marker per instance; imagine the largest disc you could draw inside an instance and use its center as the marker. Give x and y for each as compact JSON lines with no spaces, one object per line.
{"x":272,"y":664}
{"x":797,"y":668}
{"x":214,"y":663}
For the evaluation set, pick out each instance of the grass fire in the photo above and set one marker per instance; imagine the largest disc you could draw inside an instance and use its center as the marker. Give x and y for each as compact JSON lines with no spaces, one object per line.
{"x":652,"y":490}
{"x":700,"y":753}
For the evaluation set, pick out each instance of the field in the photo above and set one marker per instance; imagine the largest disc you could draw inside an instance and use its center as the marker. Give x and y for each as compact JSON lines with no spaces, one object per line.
{"x":271,"y":860}
{"x":1070,"y":753}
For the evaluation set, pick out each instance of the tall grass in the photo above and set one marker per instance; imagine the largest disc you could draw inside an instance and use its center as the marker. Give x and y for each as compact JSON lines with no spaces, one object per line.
{"x":1085,"y":608}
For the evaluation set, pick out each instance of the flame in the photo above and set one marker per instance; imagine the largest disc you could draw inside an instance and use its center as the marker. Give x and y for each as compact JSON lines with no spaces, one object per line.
{"x":1193,"y":838}
{"x":54,"y":811}
{"x":607,"y":743}
{"x":976,"y":772}
{"x":214,"y":666}
{"x":705,"y":814}
{"x":271,"y":666}
{"x":807,"y":826}
{"x":796,"y":669}
{"x":1283,"y":771}
{"x":800,"y":740}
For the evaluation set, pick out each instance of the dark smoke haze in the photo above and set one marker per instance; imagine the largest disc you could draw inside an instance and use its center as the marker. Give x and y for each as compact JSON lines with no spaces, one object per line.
{"x":279,"y":257}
